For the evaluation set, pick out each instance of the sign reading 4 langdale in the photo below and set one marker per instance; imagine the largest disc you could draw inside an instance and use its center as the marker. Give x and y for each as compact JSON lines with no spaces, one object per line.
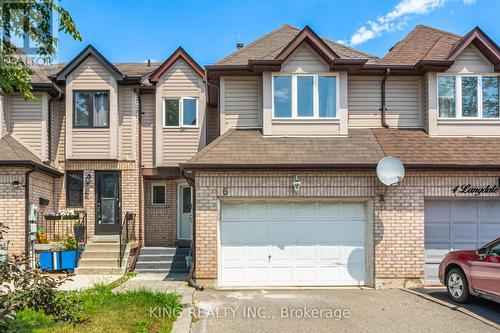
{"x":476,"y":190}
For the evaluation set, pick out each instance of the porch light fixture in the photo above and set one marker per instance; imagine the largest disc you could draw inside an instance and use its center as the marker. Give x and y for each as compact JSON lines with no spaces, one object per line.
{"x":16,"y":184}
{"x":296,"y":183}
{"x":88,"y":177}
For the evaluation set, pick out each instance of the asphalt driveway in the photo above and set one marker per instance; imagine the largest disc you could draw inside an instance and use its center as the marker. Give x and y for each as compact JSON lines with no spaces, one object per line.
{"x":326,"y":310}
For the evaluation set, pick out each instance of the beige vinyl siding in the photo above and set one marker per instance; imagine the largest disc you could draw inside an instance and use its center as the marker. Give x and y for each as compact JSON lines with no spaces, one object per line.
{"x":91,"y":72}
{"x":304,"y":59}
{"x":126,"y":121}
{"x":93,"y":143}
{"x":212,"y":124}
{"x":471,"y":60}
{"x":28,"y":124}
{"x":148,"y":130}
{"x":242,"y":102}
{"x":89,"y":143}
{"x":177,"y":145}
{"x":403,"y":100}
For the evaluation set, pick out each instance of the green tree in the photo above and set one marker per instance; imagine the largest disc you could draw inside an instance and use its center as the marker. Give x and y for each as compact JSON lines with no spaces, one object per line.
{"x":31,"y":18}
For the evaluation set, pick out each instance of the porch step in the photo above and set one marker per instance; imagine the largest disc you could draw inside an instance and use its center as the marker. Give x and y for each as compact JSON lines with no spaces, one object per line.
{"x":162,"y":260}
{"x":105,"y":247}
{"x":101,"y":254}
{"x":98,"y":271}
{"x":106,"y":239}
{"x":98,"y":262}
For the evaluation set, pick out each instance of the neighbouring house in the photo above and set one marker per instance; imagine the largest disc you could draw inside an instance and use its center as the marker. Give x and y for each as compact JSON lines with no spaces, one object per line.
{"x":264,"y":163}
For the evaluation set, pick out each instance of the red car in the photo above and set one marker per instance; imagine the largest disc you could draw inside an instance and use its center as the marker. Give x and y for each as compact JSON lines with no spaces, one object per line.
{"x":472,"y":273}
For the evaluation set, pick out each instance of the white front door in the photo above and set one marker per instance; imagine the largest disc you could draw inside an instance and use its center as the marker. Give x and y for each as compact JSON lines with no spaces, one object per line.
{"x":292,"y":244}
{"x":457,"y":225}
{"x":184,"y":212}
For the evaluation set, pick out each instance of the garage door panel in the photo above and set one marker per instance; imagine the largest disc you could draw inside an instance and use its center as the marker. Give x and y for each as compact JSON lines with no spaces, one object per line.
{"x":233,"y":275}
{"x":233,"y":210}
{"x":329,"y":210}
{"x":457,"y":225}
{"x":464,"y":211}
{"x":303,"y":239}
{"x":305,"y":211}
{"x":463,"y":232}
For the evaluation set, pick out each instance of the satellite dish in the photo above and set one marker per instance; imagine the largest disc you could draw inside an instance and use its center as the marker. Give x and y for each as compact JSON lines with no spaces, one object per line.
{"x":390,"y":171}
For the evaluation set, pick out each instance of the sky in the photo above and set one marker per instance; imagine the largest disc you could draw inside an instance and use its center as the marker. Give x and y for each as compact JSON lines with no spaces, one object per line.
{"x":137,"y":30}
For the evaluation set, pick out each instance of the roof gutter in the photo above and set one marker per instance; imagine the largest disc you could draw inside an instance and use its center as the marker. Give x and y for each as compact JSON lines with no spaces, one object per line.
{"x":383,"y":107}
{"x":40,"y":167}
{"x":215,"y":166}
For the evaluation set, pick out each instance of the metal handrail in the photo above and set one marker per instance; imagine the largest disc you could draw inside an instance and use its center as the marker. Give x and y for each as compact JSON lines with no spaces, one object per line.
{"x":127,"y":233}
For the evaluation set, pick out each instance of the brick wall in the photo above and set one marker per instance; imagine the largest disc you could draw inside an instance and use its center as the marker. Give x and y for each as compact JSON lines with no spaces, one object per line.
{"x":160,"y":221}
{"x":129,"y":190}
{"x":398,"y":235}
{"x":12,"y":205}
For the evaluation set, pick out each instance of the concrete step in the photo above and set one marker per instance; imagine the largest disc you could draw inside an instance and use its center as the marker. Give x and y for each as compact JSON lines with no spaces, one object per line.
{"x":161,"y":265}
{"x":161,"y":257}
{"x":99,"y":271}
{"x":92,"y":262}
{"x":100,"y":254}
{"x":106,"y":239}
{"x":165,"y":250}
{"x":103,"y":247}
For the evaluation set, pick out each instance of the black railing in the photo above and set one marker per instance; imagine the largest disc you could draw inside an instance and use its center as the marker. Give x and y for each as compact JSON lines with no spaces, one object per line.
{"x":55,"y":229}
{"x":127,"y":234}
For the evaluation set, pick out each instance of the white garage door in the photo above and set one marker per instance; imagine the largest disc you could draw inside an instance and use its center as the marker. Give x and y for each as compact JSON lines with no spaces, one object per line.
{"x":292,"y":244}
{"x":457,"y":225}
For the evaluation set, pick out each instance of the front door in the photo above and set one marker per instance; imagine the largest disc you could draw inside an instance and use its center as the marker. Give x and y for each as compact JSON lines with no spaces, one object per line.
{"x":185,"y":212}
{"x":107,"y":188}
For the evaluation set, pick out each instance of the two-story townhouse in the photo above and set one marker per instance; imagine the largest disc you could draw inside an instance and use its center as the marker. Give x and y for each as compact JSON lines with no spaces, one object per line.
{"x":285,"y":192}
{"x":288,"y":194}
{"x":104,"y":139}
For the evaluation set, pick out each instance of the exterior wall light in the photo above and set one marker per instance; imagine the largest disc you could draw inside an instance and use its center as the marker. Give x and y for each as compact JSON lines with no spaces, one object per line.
{"x":296,"y":183}
{"x":17,"y":184}
{"x":88,"y":177}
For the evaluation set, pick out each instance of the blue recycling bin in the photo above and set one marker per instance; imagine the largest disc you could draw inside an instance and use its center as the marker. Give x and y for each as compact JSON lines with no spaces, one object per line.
{"x":50,"y":261}
{"x":69,"y":259}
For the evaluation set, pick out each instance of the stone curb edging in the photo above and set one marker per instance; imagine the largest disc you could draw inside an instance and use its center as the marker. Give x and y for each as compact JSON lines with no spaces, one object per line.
{"x":183,"y":322}
{"x":453,"y":307}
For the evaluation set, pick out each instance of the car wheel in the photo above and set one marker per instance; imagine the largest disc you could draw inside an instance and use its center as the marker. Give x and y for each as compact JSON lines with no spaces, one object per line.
{"x":457,"y":286}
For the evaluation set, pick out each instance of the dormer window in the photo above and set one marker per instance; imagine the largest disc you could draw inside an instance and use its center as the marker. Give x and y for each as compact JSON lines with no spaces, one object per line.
{"x":91,"y":109}
{"x":468,"y":96}
{"x":305,"y":96}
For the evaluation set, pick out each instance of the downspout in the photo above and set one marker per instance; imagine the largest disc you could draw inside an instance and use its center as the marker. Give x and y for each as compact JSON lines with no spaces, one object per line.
{"x":191,"y":280}
{"x":383,"y":107}
{"x":27,"y":209}
{"x":139,"y":161}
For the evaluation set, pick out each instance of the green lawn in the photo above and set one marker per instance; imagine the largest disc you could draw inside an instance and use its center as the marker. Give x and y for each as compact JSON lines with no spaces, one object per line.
{"x":109,"y":312}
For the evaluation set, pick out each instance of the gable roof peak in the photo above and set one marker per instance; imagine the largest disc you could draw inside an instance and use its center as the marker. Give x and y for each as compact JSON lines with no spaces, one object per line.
{"x":179,"y":53}
{"x":89,"y":50}
{"x":482,"y":41}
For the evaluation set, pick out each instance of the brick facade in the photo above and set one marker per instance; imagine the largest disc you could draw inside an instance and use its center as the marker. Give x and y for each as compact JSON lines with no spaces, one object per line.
{"x":160,"y":227}
{"x":398,"y":221}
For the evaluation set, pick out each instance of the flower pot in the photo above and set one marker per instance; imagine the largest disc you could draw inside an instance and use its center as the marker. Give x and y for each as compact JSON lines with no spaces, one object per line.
{"x":52,"y":217}
{"x":69,"y":259}
{"x":71,"y":217}
{"x":79,"y":232}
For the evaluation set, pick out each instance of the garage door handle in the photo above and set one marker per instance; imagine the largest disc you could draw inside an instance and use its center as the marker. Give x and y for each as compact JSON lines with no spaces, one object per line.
{"x":269,"y":258}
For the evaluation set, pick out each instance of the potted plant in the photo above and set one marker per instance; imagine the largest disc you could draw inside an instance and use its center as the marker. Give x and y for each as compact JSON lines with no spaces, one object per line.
{"x":69,"y":254}
{"x":79,"y":229}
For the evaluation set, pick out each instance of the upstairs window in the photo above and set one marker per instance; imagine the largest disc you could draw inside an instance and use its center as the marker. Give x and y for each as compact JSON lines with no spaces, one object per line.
{"x":180,"y":112}
{"x":91,"y":109}
{"x":305,"y":96}
{"x":468,"y":96}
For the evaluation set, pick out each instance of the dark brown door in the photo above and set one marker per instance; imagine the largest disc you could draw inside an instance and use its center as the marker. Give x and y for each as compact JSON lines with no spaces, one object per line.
{"x":107,"y":188}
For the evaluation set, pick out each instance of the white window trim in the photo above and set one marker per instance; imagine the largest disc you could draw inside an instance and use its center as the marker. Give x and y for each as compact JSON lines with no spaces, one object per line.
{"x":153,"y":184}
{"x":458,"y":96}
{"x":293,"y":96}
{"x":181,"y":113}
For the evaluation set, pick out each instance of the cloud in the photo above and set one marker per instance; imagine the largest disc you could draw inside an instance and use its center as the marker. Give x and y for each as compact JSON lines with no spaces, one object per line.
{"x":396,"y":19}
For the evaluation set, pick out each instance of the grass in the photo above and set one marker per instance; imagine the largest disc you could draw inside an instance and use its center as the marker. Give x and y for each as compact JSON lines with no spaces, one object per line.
{"x":135,"y":311}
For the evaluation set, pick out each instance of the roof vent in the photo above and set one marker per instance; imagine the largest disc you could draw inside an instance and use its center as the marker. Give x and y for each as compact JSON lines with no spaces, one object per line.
{"x":239,"y":45}
{"x":149,"y":62}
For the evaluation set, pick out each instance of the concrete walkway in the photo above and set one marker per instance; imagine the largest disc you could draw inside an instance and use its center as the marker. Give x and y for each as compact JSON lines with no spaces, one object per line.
{"x":159,"y":282}
{"x":81,"y":282}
